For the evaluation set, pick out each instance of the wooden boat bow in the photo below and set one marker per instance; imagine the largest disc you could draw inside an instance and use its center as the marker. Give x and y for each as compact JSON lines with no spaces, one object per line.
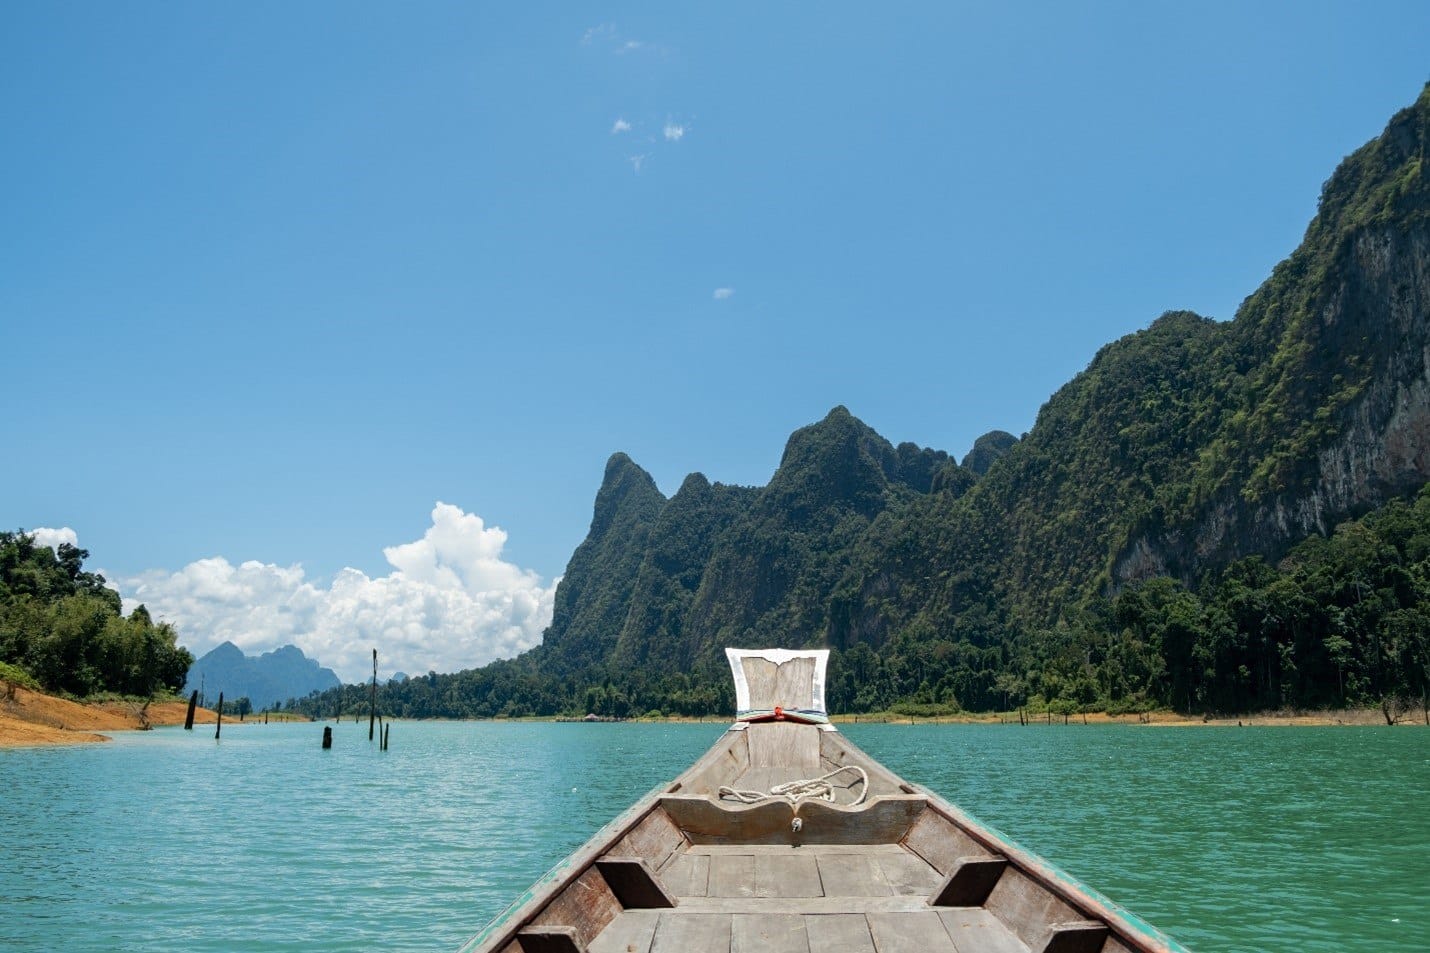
{"x":686,"y":869}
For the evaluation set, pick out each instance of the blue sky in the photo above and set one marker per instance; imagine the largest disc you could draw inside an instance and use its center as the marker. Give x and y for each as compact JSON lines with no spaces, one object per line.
{"x":277,"y":278}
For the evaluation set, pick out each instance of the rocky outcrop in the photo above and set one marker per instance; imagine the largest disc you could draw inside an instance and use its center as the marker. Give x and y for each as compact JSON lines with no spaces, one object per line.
{"x":594,"y":594}
{"x":988,"y":450}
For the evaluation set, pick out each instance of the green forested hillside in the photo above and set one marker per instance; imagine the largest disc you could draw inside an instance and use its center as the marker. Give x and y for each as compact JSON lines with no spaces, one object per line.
{"x":1182,"y":525}
{"x":63,"y":627}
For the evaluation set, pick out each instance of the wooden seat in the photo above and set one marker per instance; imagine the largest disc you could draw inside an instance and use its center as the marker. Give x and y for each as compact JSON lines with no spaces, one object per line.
{"x":1076,"y":936}
{"x":969,"y":882}
{"x":550,"y":939}
{"x":633,"y":883}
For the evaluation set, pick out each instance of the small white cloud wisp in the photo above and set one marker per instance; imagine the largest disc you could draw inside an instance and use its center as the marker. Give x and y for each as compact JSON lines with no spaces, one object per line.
{"x":597,"y":33}
{"x":722,"y":293}
{"x":620,"y":125}
{"x":451,"y":602}
{"x":673,"y":132}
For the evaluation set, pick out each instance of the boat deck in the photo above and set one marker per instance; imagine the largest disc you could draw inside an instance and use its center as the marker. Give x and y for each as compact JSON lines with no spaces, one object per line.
{"x":815,"y":898}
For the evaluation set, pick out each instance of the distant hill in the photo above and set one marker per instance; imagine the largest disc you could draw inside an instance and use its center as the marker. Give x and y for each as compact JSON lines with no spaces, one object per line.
{"x":264,"y":679}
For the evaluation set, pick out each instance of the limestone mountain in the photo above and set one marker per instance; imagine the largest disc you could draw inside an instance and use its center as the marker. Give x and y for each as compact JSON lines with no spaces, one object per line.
{"x":1180,"y":449}
{"x":1211,"y":514}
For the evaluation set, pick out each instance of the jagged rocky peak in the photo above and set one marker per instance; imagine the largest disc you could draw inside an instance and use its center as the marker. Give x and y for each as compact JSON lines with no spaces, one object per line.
{"x":625,"y":485}
{"x":823,"y":441}
{"x":988,"y":450}
{"x":843,"y":459}
{"x":839,"y":462}
{"x":920,"y":467}
{"x":227,"y":652}
{"x":695,"y":483}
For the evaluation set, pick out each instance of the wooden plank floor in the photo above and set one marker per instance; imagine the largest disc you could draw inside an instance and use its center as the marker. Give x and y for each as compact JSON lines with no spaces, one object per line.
{"x":811,"y":899}
{"x":815,"y":870}
{"x":964,"y":930}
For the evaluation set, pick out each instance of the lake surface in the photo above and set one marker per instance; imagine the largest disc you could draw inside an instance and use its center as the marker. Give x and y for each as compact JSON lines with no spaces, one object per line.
{"x":1229,"y":839}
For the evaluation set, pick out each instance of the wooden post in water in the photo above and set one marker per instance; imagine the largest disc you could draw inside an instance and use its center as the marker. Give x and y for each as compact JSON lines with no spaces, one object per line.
{"x":219,"y":726}
{"x":386,"y":736}
{"x":189,"y":718}
{"x":327,"y":737}
{"x":372,"y":709}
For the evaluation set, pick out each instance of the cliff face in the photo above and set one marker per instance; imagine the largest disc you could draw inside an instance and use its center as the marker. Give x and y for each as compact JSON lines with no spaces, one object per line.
{"x":1383,"y":450}
{"x":681,"y":543}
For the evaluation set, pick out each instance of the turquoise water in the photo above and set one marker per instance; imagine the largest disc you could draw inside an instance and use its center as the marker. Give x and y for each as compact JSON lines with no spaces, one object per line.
{"x":1313,"y":839}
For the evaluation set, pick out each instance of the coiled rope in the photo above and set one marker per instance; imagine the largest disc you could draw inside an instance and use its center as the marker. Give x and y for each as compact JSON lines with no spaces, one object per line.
{"x":805,"y":788}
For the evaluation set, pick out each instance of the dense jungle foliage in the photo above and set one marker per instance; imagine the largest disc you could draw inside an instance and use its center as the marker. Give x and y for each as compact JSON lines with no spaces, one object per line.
{"x":65,"y":629}
{"x":1180,"y":527}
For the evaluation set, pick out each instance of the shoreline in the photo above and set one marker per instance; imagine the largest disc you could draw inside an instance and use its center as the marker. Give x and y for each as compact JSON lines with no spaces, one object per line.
{"x":1333,"y":717}
{"x":34,"y":719}
{"x":1343,"y":717}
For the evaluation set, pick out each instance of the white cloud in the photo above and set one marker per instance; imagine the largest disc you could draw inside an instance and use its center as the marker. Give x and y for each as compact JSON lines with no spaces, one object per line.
{"x":637,"y":161}
{"x":602,"y":31}
{"x":722,"y":293}
{"x":45,"y":536}
{"x":606,"y":36}
{"x":450,"y":602}
{"x":620,"y":125}
{"x":673,"y":131}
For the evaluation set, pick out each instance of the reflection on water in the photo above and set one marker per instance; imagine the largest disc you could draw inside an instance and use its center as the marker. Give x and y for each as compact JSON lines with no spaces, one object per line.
{"x":1230,"y":839}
